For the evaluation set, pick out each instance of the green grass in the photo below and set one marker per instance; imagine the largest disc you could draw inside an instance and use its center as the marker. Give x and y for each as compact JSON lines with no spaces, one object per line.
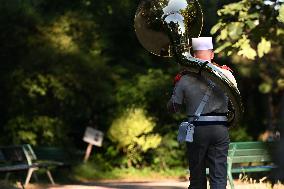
{"x":88,"y":172}
{"x":4,"y":185}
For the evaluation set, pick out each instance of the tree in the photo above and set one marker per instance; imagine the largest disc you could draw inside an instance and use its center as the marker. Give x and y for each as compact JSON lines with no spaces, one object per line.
{"x":52,"y":74}
{"x":252,"y":33}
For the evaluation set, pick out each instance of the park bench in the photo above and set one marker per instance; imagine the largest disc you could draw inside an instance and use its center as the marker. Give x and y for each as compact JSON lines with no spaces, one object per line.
{"x":58,"y":156}
{"x":245,"y":157}
{"x":9,"y":164}
{"x":21,"y":158}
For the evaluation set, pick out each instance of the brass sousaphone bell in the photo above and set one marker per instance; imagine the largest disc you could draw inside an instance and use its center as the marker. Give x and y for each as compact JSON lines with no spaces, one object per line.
{"x":165,"y":28}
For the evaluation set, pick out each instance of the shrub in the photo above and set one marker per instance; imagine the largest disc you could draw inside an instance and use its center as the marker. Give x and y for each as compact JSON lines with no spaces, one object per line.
{"x":132,"y":133}
{"x":40,"y":130}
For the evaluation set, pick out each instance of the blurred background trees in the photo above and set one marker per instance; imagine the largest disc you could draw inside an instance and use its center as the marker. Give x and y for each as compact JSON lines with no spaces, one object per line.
{"x":68,"y":64}
{"x":252,"y":33}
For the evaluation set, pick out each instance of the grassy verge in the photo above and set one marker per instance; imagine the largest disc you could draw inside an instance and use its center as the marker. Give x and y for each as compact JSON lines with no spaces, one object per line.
{"x":4,"y":185}
{"x":89,"y":172}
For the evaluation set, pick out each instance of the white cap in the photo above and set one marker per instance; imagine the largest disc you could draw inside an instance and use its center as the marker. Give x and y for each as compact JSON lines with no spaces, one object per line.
{"x":202,"y":43}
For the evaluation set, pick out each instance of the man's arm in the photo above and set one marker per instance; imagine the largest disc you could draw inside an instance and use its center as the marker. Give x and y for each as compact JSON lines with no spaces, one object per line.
{"x":173,"y":107}
{"x":175,"y":103}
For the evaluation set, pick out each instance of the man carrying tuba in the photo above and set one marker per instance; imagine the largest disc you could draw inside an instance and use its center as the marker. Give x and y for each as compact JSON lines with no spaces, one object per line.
{"x":205,"y":132}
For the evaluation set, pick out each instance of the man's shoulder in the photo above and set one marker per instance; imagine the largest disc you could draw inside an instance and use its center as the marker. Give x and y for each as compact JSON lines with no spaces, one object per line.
{"x":184,"y":76}
{"x":189,"y":77}
{"x":190,"y":80}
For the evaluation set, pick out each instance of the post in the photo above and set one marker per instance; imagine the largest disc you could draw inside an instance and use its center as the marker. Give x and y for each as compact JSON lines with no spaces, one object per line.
{"x":88,"y":152}
{"x":92,"y":137}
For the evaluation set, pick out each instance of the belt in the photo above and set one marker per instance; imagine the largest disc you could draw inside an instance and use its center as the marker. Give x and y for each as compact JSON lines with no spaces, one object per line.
{"x":209,"y":118}
{"x":211,"y":114}
{"x":207,"y":123}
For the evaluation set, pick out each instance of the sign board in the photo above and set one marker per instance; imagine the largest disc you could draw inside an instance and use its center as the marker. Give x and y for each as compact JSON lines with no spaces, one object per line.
{"x":93,"y":136}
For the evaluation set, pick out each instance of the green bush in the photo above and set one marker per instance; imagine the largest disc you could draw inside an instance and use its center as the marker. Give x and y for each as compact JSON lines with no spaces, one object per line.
{"x":239,"y":134}
{"x":175,"y":153}
{"x":40,"y":130}
{"x":132,"y":133}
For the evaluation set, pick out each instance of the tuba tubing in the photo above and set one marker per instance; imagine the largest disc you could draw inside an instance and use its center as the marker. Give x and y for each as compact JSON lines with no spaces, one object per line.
{"x":164,"y":28}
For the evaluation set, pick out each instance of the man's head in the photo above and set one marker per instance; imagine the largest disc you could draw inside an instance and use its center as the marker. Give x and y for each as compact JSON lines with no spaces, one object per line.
{"x":203,"y":48}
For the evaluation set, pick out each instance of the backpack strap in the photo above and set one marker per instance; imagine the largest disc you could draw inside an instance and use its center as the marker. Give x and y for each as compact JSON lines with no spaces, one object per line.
{"x":203,"y":102}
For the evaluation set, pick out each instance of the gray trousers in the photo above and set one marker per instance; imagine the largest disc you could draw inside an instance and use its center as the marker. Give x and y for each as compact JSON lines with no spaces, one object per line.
{"x":210,"y":145}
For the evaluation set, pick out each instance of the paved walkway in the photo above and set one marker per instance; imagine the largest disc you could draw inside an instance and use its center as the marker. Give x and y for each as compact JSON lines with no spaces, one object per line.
{"x":171,"y":184}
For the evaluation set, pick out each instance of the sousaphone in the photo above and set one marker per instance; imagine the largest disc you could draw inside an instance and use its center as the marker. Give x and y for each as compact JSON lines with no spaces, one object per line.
{"x":165,"y":28}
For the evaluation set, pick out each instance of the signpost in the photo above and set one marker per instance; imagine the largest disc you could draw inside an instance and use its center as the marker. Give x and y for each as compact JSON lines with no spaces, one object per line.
{"x":93,"y":137}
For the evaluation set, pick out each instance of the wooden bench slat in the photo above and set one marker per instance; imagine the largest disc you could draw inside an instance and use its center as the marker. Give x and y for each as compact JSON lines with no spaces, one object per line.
{"x":14,"y":168}
{"x":250,"y":145}
{"x":247,"y":152}
{"x":246,"y":159}
{"x":253,"y":169}
{"x":49,"y":163}
{"x":50,"y":153}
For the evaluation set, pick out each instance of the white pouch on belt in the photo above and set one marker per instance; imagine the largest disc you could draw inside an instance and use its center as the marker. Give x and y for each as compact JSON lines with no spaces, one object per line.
{"x":185,"y":132}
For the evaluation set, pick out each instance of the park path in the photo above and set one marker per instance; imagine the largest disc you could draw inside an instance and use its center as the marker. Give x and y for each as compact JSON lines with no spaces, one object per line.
{"x":169,"y":184}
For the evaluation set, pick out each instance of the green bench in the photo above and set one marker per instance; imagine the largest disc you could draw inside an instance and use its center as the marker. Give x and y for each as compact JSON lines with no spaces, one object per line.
{"x":53,"y":154}
{"x":245,"y":157}
{"x":19,"y":158}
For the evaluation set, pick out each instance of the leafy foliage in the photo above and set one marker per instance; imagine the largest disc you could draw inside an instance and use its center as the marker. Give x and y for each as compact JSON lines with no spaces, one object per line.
{"x":40,"y":130}
{"x":249,"y":28}
{"x":175,"y":153}
{"x":66,"y":64}
{"x":252,"y":33}
{"x":132,"y":133}
{"x":51,"y":68}
{"x":281,"y":14}
{"x":239,"y":134}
